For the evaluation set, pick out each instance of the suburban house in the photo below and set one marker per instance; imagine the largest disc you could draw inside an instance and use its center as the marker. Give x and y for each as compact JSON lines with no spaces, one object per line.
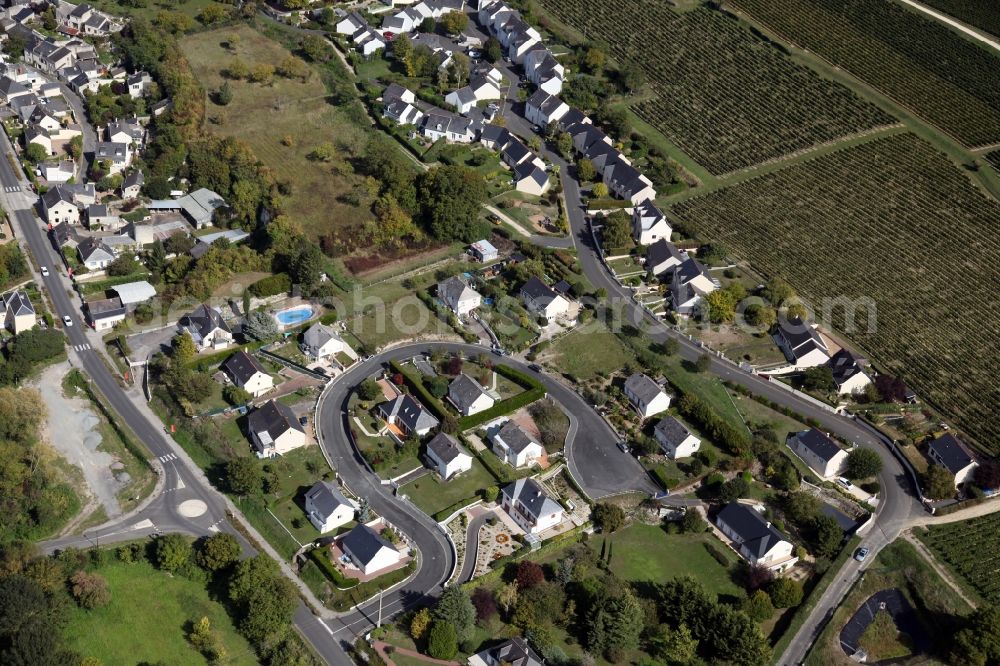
{"x":495,"y":137}
{"x":848,"y":374}
{"x":95,"y":254}
{"x":369,"y":550}
{"x":58,"y":205}
{"x":466,"y":98}
{"x":514,"y":651}
{"x":468,"y":396}
{"x":541,"y":300}
{"x":542,"y":69}
{"x":459,"y":297}
{"x":675,"y":438}
{"x":19,"y":313}
{"x":116,"y":155}
{"x":327,"y":507}
{"x":513,"y":445}
{"x":320,"y":341}
{"x":368,"y":42}
{"x":274,"y":430}
{"x":516,"y":153}
{"x":399,"y":106}
{"x":690,"y":282}
{"x":408,"y":416}
{"x":105,"y":313}
{"x":248,"y":374}
{"x":128,"y":132}
{"x":950,"y":452}
{"x":449,"y":127}
{"x":132,"y":185}
{"x":662,"y":257}
{"x":755,"y":538}
{"x":138,"y":84}
{"x":801,"y":344}
{"x":649,"y":224}
{"x":531,"y":179}
{"x":484,"y":251}
{"x":823,"y":455}
{"x":350,"y":24}
{"x":543,"y":108}
{"x":58,"y":172}
{"x":207,"y":328}
{"x":531,"y":508}
{"x":645,"y":395}
{"x":100,"y":217}
{"x":447,"y":457}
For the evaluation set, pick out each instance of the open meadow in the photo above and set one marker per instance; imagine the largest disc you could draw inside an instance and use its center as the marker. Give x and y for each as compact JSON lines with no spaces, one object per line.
{"x":725,"y":96}
{"x":284,"y":122}
{"x":940,"y":75}
{"x":895,"y":222}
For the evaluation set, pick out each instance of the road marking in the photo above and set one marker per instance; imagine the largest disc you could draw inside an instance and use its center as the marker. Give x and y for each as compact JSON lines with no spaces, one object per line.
{"x":12,"y":188}
{"x":168,"y":458}
{"x":83,"y":347}
{"x":180,"y":485}
{"x":143,"y":524}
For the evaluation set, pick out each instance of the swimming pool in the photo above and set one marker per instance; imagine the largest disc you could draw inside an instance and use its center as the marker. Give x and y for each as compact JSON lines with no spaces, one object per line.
{"x":295,"y":315}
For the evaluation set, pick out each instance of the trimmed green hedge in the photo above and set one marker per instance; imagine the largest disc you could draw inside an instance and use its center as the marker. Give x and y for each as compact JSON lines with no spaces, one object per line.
{"x":326,"y":566}
{"x":272,"y":285}
{"x":447,"y":511}
{"x":534,"y":390}
{"x":418,"y":388}
{"x":202,"y":363}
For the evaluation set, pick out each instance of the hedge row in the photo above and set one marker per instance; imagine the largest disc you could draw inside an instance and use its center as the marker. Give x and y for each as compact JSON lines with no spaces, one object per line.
{"x":272,"y":285}
{"x":501,"y":471}
{"x":420,"y":390}
{"x":330,"y":571}
{"x":447,"y":511}
{"x":499,"y":409}
{"x":201,"y":363}
{"x":717,"y":429}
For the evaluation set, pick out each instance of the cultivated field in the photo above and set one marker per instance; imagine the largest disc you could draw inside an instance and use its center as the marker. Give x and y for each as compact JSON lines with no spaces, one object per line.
{"x":264,"y":115}
{"x":918,"y":61}
{"x":726,"y":97}
{"x":894,"y":221}
{"x":972,"y":549}
{"x":978,"y":13}
{"x":994,"y":159}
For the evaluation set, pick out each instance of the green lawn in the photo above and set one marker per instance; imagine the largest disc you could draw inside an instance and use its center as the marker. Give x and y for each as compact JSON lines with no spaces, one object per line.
{"x":589,"y":350}
{"x":706,"y":386}
{"x":189,"y":8}
{"x":647,"y":553}
{"x":148,"y":618}
{"x":431,"y":495}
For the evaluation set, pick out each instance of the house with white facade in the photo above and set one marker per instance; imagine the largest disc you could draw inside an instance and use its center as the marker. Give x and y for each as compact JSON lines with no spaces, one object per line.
{"x":675,"y":438}
{"x":531,"y":179}
{"x":246,"y":372}
{"x":468,"y":396}
{"x":662,"y":257}
{"x":690,"y":282}
{"x":848,"y":374}
{"x":408,"y":416}
{"x":95,"y":254}
{"x":512,"y":444}
{"x":274,"y":430}
{"x":818,"y":450}
{"x":368,"y":550}
{"x":207,"y":328}
{"x":327,"y":508}
{"x":458,"y":296}
{"x":484,"y":251}
{"x":320,"y":341}
{"x":452,"y":128}
{"x":541,"y":300}
{"x":447,"y":457}
{"x":530,"y":506}
{"x":755,"y":538}
{"x":649,"y":224}
{"x":951,"y":453}
{"x":19,"y":313}
{"x":514,"y":651}
{"x":543,"y":108}
{"x":801,"y":343}
{"x":646,"y":396}
{"x":58,"y":205}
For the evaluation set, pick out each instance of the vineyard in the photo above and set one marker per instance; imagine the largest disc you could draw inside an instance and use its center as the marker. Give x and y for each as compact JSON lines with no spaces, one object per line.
{"x":977,"y":13}
{"x":894,"y":221}
{"x":994,"y":159}
{"x":941,"y":76}
{"x":972,"y":549}
{"x":725,"y":96}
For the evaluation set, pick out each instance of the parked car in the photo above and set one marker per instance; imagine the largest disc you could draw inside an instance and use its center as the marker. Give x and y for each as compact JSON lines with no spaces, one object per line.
{"x":623,"y":446}
{"x":45,"y":271}
{"x":844,"y":483}
{"x":534,"y":367}
{"x":861,"y":554}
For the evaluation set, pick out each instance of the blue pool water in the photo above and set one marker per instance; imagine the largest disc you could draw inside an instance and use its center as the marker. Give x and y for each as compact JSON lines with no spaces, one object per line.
{"x":294,"y":316}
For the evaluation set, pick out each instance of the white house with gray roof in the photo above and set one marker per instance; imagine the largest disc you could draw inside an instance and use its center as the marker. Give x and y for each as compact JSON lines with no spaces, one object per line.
{"x":801,"y":343}
{"x":531,"y":179}
{"x":468,"y":396}
{"x":512,"y":444}
{"x":689,"y":284}
{"x":327,"y":508}
{"x":649,"y":224}
{"x":675,"y":438}
{"x":816,"y":449}
{"x":951,"y":453}
{"x":447,"y":457}
{"x":530,"y":506}
{"x":408,"y":416}
{"x":246,"y":372}
{"x":368,"y":550}
{"x":458,"y":296}
{"x":207,"y":328}
{"x":320,"y":341}
{"x":646,"y":396}
{"x":95,"y":254}
{"x":848,"y":374}
{"x":19,"y":313}
{"x":754,"y":537}
{"x":541,"y":300}
{"x":274,"y":430}
{"x":662,"y":257}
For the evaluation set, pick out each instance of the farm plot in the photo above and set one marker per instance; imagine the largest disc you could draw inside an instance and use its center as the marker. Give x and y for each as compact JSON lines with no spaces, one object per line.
{"x":890,"y":225}
{"x":994,"y":159}
{"x":941,"y":76}
{"x":977,"y":13}
{"x":726,"y":97}
{"x":972,"y":549}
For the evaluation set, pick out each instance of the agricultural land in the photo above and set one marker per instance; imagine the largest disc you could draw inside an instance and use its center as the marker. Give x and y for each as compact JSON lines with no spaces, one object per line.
{"x":891,"y":218}
{"x":725,"y":96}
{"x":941,"y":76}
{"x":976,"y":13}
{"x":971,"y":548}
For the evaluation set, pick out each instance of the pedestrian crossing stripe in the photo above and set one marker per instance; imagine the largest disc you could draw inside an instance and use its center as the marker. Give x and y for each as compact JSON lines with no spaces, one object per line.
{"x":83,"y":347}
{"x":13,"y":188}
{"x":168,"y":457}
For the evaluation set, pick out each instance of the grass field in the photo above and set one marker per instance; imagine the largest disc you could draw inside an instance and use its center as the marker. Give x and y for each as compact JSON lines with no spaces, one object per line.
{"x":647,"y":553}
{"x":943,"y":77}
{"x":899,"y":565}
{"x":723,"y":95}
{"x":263,"y":116}
{"x":588,"y":350}
{"x":431,"y":495}
{"x":971,"y":548}
{"x":190,"y":8}
{"x":890,"y":225}
{"x":148,"y":620}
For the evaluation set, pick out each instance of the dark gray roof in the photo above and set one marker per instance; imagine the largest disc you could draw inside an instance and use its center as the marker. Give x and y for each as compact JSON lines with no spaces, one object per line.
{"x":364,"y":543}
{"x":844,"y":365}
{"x":531,"y":496}
{"x":97,"y":210}
{"x":538,"y":98}
{"x":801,"y":337}
{"x":409,"y":412}
{"x":18,"y":303}
{"x":464,"y":390}
{"x":952,"y":453}
{"x":818,"y":442}
{"x":205,"y":319}
{"x":134,"y":178}
{"x":538,"y":291}
{"x":105,"y":308}
{"x":515,"y":437}
{"x":515,"y":652}
{"x":516,"y":151}
{"x":55,"y":195}
{"x":274,"y":418}
{"x":689,"y":269}
{"x":495,"y":134}
{"x":242,"y":366}
{"x":445,"y":448}
{"x":327,"y":498}
{"x":92,"y":246}
{"x":672,"y":430}
{"x":756,"y":533}
{"x":572,"y":117}
{"x":640,"y":385}
{"x":528,"y":169}
{"x":661,"y":251}
{"x":451,"y":290}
